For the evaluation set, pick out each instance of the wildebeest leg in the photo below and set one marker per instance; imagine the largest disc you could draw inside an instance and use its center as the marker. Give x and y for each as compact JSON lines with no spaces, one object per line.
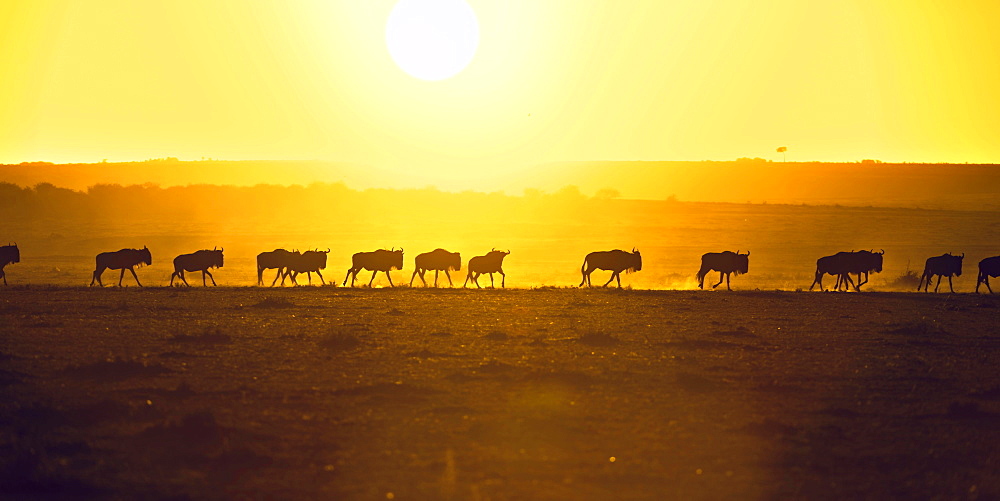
{"x":817,"y":280}
{"x":618,"y":275}
{"x":987,"y":284}
{"x":414,"y":276}
{"x":950,"y":286}
{"x":585,"y":277}
{"x":436,"y":273}
{"x":276,"y":278}
{"x":97,"y":276}
{"x":181,"y":274}
{"x":373,"y":278}
{"x":136,"y":277}
{"x":450,"y":283}
{"x":727,"y":282}
{"x":203,"y":273}
{"x":492,"y":285}
{"x":848,"y":283}
{"x":503,"y":279}
{"x":613,"y":274}
{"x":321,"y":279}
{"x":721,"y":274}
{"x":121,"y":277}
{"x":475,"y":279}
{"x":938,"y":283}
{"x":4,"y":276}
{"x":348,"y":276}
{"x":467,"y":277}
{"x":390,"y":279}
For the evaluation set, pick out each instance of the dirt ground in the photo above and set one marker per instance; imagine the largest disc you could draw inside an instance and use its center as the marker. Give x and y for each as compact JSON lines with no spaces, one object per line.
{"x":335,"y":393}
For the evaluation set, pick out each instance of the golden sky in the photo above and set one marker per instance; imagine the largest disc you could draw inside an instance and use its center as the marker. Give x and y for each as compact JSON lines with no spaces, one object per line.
{"x":553,"y":80}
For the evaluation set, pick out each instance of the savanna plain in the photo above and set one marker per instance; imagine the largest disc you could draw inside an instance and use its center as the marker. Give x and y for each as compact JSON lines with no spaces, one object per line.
{"x":539,"y":393}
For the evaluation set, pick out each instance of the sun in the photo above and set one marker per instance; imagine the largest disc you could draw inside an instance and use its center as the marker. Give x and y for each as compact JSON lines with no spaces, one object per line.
{"x":432,"y":39}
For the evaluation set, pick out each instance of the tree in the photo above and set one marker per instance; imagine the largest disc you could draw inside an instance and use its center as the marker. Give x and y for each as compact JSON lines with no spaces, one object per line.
{"x":782,"y":150}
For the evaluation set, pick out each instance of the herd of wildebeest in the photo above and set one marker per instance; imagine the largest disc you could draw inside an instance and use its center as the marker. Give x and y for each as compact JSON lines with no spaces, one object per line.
{"x":291,"y":264}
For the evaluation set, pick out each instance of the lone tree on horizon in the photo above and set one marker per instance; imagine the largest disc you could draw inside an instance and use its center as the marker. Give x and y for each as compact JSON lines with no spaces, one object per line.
{"x":782,"y":150}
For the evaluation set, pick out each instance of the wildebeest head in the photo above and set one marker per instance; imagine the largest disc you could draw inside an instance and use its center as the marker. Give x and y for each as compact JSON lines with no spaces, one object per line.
{"x":10,"y":253}
{"x":742,"y":263}
{"x":217,"y":257}
{"x":396,"y":258}
{"x":145,"y":256}
{"x":454,"y":261}
{"x":957,"y":260}
{"x":871,"y":261}
{"x":635,"y":260}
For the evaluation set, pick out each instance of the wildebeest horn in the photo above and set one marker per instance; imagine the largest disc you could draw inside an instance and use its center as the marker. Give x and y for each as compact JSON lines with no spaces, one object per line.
{"x":215,"y":247}
{"x":963,"y":254}
{"x":737,"y":251}
{"x":327,"y":249}
{"x":508,"y":251}
{"x":493,"y":249}
{"x":633,"y":249}
{"x":222,"y":249}
{"x":882,"y":252}
{"x":748,"y":253}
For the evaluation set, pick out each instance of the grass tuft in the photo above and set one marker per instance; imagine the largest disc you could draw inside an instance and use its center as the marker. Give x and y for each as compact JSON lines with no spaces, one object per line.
{"x":338,"y":341}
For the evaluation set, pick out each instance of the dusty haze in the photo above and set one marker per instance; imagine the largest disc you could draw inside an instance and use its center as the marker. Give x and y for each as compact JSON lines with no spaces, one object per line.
{"x":60,"y":230}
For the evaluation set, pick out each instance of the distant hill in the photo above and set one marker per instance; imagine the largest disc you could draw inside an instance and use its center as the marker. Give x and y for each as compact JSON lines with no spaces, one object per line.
{"x":942,"y":186}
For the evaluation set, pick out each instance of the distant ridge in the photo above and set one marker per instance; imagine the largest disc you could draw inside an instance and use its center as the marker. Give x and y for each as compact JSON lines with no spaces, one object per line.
{"x":943,"y":186}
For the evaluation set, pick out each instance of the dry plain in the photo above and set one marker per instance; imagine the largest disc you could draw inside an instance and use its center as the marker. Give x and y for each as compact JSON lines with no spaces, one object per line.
{"x":547,"y":393}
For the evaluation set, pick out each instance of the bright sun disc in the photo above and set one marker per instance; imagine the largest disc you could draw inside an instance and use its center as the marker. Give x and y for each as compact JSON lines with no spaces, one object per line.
{"x":432,"y":39}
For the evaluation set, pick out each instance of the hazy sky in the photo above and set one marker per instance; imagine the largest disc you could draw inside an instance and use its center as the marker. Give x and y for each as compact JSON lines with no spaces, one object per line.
{"x":553,"y":80}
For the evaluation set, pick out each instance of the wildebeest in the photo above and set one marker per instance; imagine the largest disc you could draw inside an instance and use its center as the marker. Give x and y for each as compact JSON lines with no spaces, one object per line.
{"x":125,"y":259}
{"x":8,"y":254}
{"x":278,"y":258}
{"x":376,"y":261}
{"x":491,"y":263}
{"x":944,"y":265}
{"x":989,"y":267}
{"x":616,"y":261}
{"x":308,"y":262}
{"x":438,"y":260}
{"x":726,"y":263}
{"x":198,"y":261}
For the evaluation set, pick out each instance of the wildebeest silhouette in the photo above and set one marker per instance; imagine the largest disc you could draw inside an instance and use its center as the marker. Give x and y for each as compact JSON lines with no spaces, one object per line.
{"x":278,"y":258}
{"x":945,"y":265}
{"x":8,"y":254}
{"x":197,"y":261}
{"x":616,"y":261}
{"x":438,"y":260}
{"x":838,"y":265}
{"x":726,"y":263}
{"x":861,"y":263}
{"x":989,"y":267}
{"x":376,"y":261}
{"x":125,"y":259}
{"x":308,"y":262}
{"x":491,"y":263}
